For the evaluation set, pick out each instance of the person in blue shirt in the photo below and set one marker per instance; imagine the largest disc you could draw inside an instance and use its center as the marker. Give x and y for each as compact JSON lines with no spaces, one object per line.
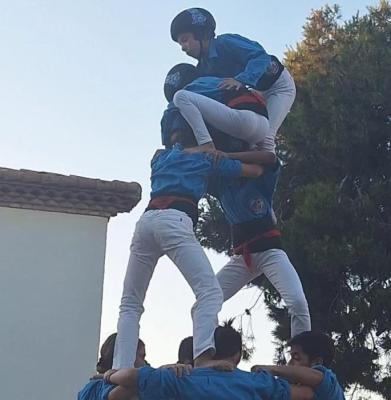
{"x":240,"y":61}
{"x":97,"y":389}
{"x":241,"y":114}
{"x":205,"y":383}
{"x":256,"y":240}
{"x":312,"y":354}
{"x":178,"y":181}
{"x":173,"y":120}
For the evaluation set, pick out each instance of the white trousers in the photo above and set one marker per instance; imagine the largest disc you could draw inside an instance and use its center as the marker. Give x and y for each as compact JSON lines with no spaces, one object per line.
{"x":279,"y":100}
{"x":198,"y":110}
{"x":169,"y":232}
{"x":282,"y":275}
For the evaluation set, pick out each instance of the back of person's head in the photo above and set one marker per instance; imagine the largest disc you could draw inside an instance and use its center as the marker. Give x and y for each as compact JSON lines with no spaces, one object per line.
{"x":228,"y":342}
{"x":317,"y":346}
{"x":105,"y":361}
{"x":140,"y":355}
{"x":175,"y":129}
{"x":185,"y":352}
{"x":177,"y":78}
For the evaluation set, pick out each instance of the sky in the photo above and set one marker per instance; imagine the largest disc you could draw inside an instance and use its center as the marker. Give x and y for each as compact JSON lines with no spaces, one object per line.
{"x":81,"y":93}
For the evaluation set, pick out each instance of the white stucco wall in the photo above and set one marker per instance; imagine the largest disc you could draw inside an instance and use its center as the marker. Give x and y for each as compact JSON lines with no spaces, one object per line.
{"x":51,"y":281}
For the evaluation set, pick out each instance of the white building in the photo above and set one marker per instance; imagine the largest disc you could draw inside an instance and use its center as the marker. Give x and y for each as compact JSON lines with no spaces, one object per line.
{"x":52,"y":253}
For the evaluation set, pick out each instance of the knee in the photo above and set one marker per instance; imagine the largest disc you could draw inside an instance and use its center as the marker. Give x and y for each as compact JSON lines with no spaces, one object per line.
{"x":298,"y":304}
{"x":130,"y":305}
{"x":180,"y":97}
{"x":211,"y":293}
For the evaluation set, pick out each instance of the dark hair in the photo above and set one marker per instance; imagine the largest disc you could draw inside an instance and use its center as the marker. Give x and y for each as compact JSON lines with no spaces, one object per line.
{"x":175,"y":129}
{"x":106,"y":354}
{"x":105,"y":361}
{"x":315,"y":344}
{"x":185,"y":351}
{"x":228,"y":341}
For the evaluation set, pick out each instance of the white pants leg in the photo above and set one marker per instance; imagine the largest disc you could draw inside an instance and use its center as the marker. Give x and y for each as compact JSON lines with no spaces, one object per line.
{"x":279,"y":100}
{"x":168,"y":232}
{"x":282,"y":275}
{"x":144,"y":254}
{"x":178,"y":241}
{"x":198,"y":110}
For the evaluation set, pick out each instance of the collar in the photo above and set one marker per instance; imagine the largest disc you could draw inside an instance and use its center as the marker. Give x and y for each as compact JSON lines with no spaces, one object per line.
{"x":178,"y":146}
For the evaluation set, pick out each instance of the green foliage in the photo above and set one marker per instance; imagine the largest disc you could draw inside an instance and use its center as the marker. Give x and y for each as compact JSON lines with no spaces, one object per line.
{"x":334,"y":196}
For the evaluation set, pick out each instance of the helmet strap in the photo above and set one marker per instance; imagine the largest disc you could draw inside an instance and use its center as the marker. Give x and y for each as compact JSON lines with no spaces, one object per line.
{"x":201,"y":49}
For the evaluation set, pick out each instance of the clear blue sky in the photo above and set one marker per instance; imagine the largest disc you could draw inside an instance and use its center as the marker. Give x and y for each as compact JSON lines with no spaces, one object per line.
{"x":81,"y":93}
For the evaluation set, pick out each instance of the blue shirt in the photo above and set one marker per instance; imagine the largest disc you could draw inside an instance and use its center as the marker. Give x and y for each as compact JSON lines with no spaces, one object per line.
{"x":329,"y":389}
{"x":246,"y":199}
{"x":209,"y":384}
{"x":208,"y":86}
{"x":175,"y":172}
{"x":96,"y":389}
{"x":234,"y":56}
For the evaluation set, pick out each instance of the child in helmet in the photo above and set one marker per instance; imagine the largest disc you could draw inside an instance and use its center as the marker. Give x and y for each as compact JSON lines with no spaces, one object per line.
{"x":241,"y":114}
{"x":240,"y":61}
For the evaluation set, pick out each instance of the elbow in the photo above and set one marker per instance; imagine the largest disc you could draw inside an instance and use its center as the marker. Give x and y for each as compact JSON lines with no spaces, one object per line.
{"x":270,"y":158}
{"x":273,"y":158}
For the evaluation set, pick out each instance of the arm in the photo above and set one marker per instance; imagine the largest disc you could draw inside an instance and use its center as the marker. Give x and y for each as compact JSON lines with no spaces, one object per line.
{"x":126,"y":377}
{"x":301,"y":393}
{"x":228,"y":168}
{"x":255,"y":157}
{"x":251,"y":171}
{"x":303,"y":375}
{"x":249,"y":53}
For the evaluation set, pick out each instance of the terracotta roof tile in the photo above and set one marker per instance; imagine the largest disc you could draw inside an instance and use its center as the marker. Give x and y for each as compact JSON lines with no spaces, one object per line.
{"x":69,"y":194}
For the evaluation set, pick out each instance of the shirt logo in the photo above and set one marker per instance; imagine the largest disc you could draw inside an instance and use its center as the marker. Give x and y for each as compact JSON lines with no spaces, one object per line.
{"x":173,"y":79}
{"x":197,"y":18}
{"x":257,"y":206}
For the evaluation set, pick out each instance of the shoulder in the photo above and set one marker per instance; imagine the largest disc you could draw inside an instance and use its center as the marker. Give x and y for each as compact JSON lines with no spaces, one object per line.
{"x":329,"y":388}
{"x":95,"y":387}
{"x":157,"y":154}
{"x":266,"y":384}
{"x":228,"y":37}
{"x":149,"y":376}
{"x":232,"y":39}
{"x":155,"y":383}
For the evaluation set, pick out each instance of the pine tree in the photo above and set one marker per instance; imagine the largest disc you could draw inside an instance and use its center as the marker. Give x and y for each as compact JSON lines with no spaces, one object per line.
{"x":333,"y":202}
